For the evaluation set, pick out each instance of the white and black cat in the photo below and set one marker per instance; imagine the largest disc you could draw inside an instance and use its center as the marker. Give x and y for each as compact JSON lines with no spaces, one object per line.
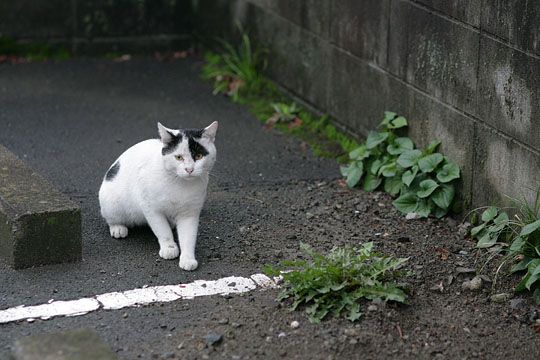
{"x":162,"y":183}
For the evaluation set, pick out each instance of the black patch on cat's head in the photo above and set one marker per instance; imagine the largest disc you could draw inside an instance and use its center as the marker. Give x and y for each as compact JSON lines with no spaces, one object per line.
{"x":195,"y":148}
{"x":193,"y":133}
{"x":172,"y":144}
{"x":113,"y":171}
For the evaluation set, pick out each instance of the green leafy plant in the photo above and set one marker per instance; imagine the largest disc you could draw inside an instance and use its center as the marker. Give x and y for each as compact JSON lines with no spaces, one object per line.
{"x":334,"y":284}
{"x":284,"y":113}
{"x":28,"y":52}
{"x":236,"y":70}
{"x":518,"y":237}
{"x":423,"y":180}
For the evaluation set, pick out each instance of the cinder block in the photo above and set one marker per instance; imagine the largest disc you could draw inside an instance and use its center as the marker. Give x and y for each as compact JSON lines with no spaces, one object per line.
{"x":503,"y":167}
{"x":38,"y":225}
{"x":434,"y":54}
{"x":80,"y":344}
{"x":298,"y":59}
{"x":508,"y":91}
{"x":467,"y":11}
{"x":361,"y":27}
{"x":517,"y":21}
{"x":215,"y":18}
{"x":357,"y":92}
{"x":431,"y":120}
{"x":312,"y":15}
{"x":131,"y":18}
{"x":36,"y":19}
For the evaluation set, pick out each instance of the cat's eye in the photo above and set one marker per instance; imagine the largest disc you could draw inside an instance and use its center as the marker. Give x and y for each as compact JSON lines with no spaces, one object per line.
{"x":179,"y":157}
{"x":198,"y":157}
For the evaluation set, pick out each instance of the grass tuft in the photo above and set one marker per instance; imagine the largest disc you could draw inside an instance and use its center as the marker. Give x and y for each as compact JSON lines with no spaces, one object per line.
{"x":335,"y":284}
{"x":518,"y":237}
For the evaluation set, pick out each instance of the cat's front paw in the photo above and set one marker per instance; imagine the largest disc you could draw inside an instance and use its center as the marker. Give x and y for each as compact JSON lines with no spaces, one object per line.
{"x":188,"y":263}
{"x":169,"y":252}
{"x":118,"y":231}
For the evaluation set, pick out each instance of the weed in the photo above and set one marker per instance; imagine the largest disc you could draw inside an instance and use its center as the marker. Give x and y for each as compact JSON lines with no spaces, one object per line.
{"x":28,"y":52}
{"x":236,"y":70}
{"x":334,"y":284}
{"x":237,"y":73}
{"x":283,"y":113}
{"x":423,"y":179}
{"x":517,"y":237}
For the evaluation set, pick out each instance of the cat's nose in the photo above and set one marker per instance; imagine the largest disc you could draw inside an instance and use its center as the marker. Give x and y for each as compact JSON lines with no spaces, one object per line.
{"x":189,"y":170}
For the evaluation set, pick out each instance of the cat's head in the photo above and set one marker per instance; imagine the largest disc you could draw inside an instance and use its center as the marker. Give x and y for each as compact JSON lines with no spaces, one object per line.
{"x":188,"y":153}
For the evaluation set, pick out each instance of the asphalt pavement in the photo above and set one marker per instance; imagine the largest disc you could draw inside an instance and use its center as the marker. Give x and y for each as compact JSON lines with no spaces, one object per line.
{"x":70,"y":120}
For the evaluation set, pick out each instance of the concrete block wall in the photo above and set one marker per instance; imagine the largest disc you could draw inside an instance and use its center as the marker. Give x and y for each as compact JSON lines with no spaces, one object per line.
{"x":466,"y":72}
{"x":99,"y":26}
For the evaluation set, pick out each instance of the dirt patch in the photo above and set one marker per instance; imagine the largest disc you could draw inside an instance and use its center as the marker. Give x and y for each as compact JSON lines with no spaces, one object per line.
{"x":442,"y":320}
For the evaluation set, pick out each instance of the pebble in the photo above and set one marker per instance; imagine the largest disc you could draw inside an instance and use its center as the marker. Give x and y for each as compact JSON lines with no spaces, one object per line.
{"x":309,"y":215}
{"x":223,"y":321}
{"x":281,"y":335}
{"x":465,"y":270}
{"x":213,"y":338}
{"x":463,"y":229}
{"x":412,"y":216}
{"x":295,"y":324}
{"x":372,"y":307}
{"x":168,"y":355}
{"x":517,"y":303}
{"x":474,"y":284}
{"x":291,"y":237}
{"x":500,"y":298}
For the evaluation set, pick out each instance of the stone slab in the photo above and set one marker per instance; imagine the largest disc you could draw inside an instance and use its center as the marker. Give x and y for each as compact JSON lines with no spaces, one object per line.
{"x":79,"y":344}
{"x":38,"y":224}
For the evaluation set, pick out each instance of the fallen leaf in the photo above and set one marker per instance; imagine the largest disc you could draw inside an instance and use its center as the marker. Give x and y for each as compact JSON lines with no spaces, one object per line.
{"x":297,"y":122}
{"x":234,"y":85}
{"x":122,"y":58}
{"x":443,"y":253}
{"x":536,"y":328}
{"x":342,"y":183}
{"x":272,"y":120}
{"x":180,"y":55}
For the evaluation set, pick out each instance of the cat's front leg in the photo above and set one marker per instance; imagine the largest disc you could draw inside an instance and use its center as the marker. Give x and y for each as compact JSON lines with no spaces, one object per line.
{"x":161,"y":228}
{"x":187,"y":237}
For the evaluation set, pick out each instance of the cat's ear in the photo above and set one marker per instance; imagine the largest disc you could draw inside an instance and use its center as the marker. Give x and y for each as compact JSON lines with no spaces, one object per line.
{"x":210,"y":131}
{"x":165,"y":134}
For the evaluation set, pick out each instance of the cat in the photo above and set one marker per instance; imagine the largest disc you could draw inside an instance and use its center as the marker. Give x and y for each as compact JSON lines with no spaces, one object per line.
{"x":162,"y":182}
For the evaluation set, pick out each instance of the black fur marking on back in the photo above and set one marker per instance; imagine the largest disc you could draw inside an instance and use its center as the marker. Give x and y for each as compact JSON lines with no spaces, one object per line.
{"x":113,"y":171}
{"x":195,"y":148}
{"x":171,"y":145}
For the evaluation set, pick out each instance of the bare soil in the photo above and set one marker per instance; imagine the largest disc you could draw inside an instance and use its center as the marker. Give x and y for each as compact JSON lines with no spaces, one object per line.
{"x":441,"y":321}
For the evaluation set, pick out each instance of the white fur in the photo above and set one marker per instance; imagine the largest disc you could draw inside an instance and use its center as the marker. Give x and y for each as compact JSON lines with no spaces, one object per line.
{"x":159,"y":190}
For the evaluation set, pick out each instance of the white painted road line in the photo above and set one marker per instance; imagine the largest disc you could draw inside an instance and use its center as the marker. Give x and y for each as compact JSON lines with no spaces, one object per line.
{"x":137,"y":297}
